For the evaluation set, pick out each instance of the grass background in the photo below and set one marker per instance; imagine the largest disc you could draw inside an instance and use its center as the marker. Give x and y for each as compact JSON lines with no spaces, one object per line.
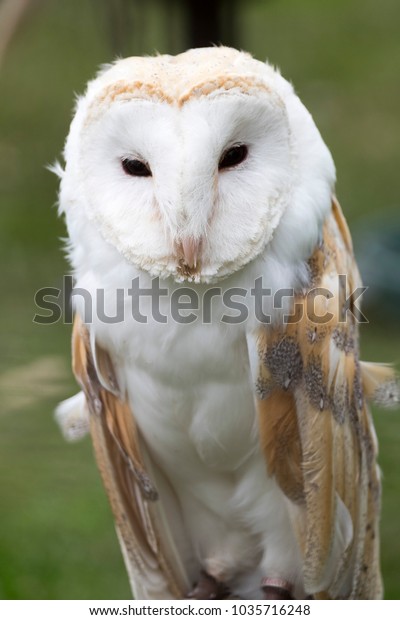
{"x":56,"y":531}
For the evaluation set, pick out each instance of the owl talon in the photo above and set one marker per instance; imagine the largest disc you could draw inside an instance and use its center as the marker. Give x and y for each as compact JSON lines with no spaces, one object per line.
{"x":208,"y":588}
{"x":276,"y":589}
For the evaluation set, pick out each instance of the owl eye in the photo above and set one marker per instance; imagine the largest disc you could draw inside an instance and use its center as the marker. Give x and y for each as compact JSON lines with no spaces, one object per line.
{"x":135,"y":167}
{"x":233,"y":156}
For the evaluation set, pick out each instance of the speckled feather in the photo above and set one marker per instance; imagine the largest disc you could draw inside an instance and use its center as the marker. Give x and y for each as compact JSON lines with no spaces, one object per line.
{"x":319,"y":439}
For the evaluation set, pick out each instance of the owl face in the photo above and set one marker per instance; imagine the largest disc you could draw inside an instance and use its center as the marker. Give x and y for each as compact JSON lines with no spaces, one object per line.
{"x":187,"y":165}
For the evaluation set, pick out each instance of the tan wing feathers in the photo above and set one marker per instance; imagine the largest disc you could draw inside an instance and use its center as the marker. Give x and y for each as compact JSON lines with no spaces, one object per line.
{"x":129,"y":488}
{"x":279,"y":437}
{"x":116,"y":412}
{"x":318,"y":366}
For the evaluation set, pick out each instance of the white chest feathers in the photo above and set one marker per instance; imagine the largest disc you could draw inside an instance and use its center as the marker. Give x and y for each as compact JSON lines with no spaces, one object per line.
{"x":191,"y":391}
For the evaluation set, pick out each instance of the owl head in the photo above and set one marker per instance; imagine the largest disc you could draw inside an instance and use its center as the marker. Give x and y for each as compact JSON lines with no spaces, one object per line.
{"x":192,"y":166}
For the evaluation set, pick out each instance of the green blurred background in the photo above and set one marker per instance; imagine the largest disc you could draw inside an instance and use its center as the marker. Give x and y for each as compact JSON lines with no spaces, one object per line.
{"x":56,"y":532}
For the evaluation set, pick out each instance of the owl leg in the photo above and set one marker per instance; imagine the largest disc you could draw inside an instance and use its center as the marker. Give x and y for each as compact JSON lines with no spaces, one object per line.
{"x":208,"y":588}
{"x":276,"y":589}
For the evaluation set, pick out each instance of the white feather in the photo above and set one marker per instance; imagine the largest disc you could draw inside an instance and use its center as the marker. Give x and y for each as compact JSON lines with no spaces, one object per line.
{"x":72,"y":416}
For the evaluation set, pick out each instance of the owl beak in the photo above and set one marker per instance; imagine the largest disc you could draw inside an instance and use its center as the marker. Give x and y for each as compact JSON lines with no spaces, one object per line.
{"x":190,"y":251}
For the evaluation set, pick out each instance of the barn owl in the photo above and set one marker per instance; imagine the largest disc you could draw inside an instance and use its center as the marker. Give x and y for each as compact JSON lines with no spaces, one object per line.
{"x":239,"y":455}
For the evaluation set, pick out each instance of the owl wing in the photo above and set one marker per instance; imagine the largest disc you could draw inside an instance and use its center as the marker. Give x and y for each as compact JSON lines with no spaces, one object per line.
{"x":153,"y":564}
{"x":316,"y":430}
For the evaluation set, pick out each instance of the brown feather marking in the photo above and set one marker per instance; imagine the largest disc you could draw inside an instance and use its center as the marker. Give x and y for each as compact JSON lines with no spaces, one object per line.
{"x":367,"y":582}
{"x":118,"y":457}
{"x":319,"y":485}
{"x":342,"y":224}
{"x":117,"y":414}
{"x":338,"y":452}
{"x":372,"y":581}
{"x":280,"y":441}
{"x":224,"y":83}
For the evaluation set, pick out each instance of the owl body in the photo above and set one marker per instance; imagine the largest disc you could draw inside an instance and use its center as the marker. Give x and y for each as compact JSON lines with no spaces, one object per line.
{"x":192,"y":391}
{"x":241,"y":450}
